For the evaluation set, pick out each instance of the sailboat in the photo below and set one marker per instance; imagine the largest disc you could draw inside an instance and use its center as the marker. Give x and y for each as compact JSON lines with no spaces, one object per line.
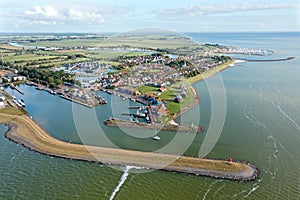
{"x":155,"y":136}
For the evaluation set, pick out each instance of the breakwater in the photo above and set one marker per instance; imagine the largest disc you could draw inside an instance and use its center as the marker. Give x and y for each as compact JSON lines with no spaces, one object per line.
{"x":267,"y":60}
{"x":26,"y":132}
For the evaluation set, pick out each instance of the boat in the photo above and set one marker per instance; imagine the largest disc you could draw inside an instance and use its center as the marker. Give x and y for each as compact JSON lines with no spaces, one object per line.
{"x":155,"y":137}
{"x":102,"y":101}
{"x":12,"y":86}
{"x":147,"y":119}
{"x":21,"y":103}
{"x":52,"y":92}
{"x":17,"y":103}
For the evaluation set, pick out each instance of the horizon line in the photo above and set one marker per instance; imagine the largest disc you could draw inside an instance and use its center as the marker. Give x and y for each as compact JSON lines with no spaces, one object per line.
{"x":113,"y":32}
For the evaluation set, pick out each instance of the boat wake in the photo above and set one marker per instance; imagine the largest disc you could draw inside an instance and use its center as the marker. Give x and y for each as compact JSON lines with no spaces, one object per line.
{"x":122,"y":181}
{"x":251,"y":191}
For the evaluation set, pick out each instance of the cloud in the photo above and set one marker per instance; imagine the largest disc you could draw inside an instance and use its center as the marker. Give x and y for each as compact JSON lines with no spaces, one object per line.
{"x":43,"y":22}
{"x":44,"y":15}
{"x":46,"y":11}
{"x":75,"y":14}
{"x":221,"y":9}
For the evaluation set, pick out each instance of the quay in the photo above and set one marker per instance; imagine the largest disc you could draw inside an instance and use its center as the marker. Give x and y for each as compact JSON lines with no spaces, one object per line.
{"x":155,"y":126}
{"x":76,"y":101}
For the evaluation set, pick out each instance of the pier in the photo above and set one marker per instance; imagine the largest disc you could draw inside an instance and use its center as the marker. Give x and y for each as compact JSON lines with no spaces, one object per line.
{"x":76,"y":101}
{"x":12,"y":86}
{"x":155,"y":126}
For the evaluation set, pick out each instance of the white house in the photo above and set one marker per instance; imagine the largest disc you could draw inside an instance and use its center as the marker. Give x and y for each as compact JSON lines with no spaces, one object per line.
{"x":19,"y":78}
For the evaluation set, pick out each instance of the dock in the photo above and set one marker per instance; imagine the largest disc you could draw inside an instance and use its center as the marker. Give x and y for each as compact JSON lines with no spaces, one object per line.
{"x":12,"y":86}
{"x":135,"y":107}
{"x":155,"y":126}
{"x":76,"y":101}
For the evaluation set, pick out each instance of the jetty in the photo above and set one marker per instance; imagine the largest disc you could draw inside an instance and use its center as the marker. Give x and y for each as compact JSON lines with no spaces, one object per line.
{"x":113,"y":122}
{"x":76,"y":101}
{"x":25,"y":131}
{"x":268,"y":60}
{"x":12,"y":86}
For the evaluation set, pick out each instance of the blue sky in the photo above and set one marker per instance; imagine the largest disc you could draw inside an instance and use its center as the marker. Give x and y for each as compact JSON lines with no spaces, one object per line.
{"x":126,"y":15}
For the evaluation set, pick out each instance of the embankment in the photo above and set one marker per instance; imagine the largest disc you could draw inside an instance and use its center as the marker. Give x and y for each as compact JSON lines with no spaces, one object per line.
{"x":26,"y":132}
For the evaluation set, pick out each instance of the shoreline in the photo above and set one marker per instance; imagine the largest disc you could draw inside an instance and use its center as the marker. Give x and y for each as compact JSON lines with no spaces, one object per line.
{"x":24,"y":131}
{"x":202,"y":77}
{"x":212,"y":72}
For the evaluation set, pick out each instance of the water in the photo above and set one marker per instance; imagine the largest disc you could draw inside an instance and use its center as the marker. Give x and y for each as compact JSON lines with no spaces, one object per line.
{"x":262,"y":126}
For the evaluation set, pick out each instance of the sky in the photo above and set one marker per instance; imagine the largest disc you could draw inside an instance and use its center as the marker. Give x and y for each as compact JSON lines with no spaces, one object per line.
{"x":98,"y":16}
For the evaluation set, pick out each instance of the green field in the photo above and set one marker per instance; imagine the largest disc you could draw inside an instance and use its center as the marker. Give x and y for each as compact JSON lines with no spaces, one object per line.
{"x":146,"y":89}
{"x":154,"y":41}
{"x":13,"y":111}
{"x":76,"y":48}
{"x":66,"y":43}
{"x":174,"y":107}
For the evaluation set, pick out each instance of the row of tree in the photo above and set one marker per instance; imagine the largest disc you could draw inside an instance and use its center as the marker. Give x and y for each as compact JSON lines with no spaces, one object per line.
{"x":53,"y":79}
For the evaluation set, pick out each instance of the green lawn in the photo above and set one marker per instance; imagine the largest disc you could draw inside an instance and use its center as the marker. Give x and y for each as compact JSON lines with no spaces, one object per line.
{"x":12,"y":111}
{"x":174,"y":107}
{"x":146,"y":89}
{"x":152,"y":41}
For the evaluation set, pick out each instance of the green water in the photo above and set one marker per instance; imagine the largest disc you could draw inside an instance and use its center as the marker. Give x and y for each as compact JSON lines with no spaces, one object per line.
{"x":262,"y":126}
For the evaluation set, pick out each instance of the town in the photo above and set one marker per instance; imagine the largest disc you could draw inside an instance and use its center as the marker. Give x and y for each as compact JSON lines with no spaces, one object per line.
{"x":158,"y":78}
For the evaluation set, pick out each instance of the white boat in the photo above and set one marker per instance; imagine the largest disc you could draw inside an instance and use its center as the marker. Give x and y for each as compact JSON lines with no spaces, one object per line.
{"x":147,"y":119}
{"x":52,"y":92}
{"x":17,"y":103}
{"x":155,"y":137}
{"x":21,"y":103}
